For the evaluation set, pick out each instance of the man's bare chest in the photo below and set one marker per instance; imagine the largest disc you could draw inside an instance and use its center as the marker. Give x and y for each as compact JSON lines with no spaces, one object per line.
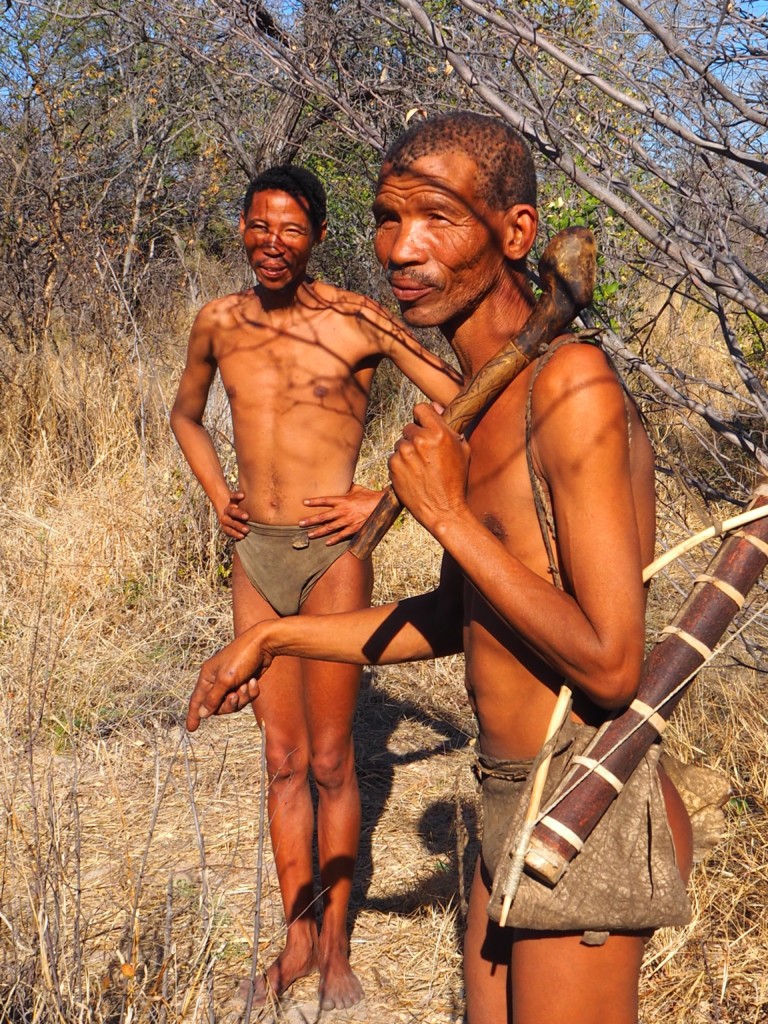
{"x":500,"y":486}
{"x":289,"y":369}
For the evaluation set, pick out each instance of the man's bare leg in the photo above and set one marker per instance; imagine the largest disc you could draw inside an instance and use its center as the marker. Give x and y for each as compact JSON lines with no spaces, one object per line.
{"x":280,"y":706}
{"x":487,"y":955}
{"x":308,"y":708}
{"x":331,"y":695}
{"x":551,"y":977}
{"x":585,"y":984}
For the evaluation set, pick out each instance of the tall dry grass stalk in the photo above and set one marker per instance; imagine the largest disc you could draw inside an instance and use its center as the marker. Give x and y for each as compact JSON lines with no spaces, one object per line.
{"x":130,"y":854}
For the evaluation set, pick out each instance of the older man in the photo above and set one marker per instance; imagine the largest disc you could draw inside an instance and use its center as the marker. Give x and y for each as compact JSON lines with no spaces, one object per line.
{"x":546,"y":516}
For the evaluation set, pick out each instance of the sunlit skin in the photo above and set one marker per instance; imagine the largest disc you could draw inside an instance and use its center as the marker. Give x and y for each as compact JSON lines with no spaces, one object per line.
{"x":439,"y":254}
{"x":455,"y":262}
{"x":297,"y":358}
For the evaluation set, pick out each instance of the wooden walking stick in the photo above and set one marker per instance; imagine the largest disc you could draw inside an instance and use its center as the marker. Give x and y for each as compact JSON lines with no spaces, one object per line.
{"x":591,"y":785}
{"x":567,"y":273}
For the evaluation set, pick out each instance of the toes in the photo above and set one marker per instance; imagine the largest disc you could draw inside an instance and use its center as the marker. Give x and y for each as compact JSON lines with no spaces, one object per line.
{"x":340,"y":997}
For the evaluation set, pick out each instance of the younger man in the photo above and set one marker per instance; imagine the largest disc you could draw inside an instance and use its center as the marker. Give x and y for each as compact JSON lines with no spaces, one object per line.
{"x":297,"y":359}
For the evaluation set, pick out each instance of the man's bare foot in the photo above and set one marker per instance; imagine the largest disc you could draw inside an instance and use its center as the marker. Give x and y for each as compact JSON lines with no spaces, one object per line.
{"x":279,"y":977}
{"x":339,"y":986}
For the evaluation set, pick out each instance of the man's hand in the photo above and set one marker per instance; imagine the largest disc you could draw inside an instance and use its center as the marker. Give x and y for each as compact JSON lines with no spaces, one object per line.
{"x":229,"y":680}
{"x":343,"y":515}
{"x":232,"y":518}
{"x":429,"y":468}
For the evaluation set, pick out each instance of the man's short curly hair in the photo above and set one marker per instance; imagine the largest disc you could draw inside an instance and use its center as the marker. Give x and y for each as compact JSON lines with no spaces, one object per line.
{"x":506,"y":173}
{"x":305,"y":187}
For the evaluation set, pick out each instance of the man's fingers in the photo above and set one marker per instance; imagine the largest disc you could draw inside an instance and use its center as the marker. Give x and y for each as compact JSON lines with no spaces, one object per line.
{"x":230,"y":703}
{"x":207,"y":697}
{"x":318,"y":520}
{"x":214,"y":699}
{"x":337,"y":530}
{"x":236,"y":534}
{"x":245,"y":694}
{"x":425,"y":412}
{"x":199,"y":706}
{"x":319,"y":502}
{"x":232,"y":670}
{"x":424,"y":417}
{"x":320,"y":529}
{"x":197,"y":710}
{"x":427,"y":426}
{"x":343,"y":533}
{"x":194,"y":714}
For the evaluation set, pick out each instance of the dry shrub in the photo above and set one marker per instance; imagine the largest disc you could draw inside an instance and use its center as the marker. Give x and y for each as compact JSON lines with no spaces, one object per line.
{"x":683,"y":343}
{"x":681,"y":332}
{"x":710,"y":970}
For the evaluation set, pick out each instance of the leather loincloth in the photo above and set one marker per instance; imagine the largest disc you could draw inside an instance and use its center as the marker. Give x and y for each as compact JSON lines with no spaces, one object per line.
{"x":283,"y":564}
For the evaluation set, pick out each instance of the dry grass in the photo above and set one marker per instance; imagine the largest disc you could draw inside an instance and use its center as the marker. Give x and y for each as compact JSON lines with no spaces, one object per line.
{"x":684,"y":334}
{"x":129,"y":851}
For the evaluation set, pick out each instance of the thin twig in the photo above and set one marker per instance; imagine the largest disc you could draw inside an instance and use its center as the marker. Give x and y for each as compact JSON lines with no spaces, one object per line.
{"x":259,"y":874}
{"x":204,"y":894}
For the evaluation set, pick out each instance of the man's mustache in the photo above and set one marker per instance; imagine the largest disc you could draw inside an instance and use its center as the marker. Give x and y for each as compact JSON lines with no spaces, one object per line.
{"x":412,"y":277}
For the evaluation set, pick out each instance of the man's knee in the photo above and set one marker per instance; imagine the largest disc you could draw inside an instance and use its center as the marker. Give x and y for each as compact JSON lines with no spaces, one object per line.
{"x":286,"y":764}
{"x":333,"y":767}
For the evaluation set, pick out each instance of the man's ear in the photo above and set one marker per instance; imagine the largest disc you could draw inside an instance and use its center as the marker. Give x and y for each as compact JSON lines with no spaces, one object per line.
{"x":242,"y":224}
{"x":521,"y":223}
{"x":322,"y":232}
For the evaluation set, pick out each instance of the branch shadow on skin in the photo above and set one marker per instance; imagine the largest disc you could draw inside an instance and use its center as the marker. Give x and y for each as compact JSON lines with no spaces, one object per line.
{"x":378,"y":717}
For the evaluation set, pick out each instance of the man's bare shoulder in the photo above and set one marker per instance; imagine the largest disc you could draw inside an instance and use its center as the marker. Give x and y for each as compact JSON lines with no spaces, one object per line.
{"x":359,"y":319}
{"x":580,"y":405}
{"x":347,"y":303}
{"x":223,"y":311}
{"x":576,"y":373}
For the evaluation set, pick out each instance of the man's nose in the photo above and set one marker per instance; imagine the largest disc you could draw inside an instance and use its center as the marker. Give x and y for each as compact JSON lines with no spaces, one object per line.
{"x":406,"y":248}
{"x":273,"y":241}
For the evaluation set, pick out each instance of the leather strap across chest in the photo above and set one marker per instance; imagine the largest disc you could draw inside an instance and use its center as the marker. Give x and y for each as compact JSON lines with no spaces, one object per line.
{"x":541,"y":496}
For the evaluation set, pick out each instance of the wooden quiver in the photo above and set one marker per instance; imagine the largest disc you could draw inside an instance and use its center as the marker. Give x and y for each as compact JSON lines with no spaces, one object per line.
{"x":669,"y":669}
{"x":705,"y":792}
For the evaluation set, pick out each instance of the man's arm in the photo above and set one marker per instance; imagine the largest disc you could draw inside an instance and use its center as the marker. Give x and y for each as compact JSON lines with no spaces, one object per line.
{"x":194,"y":440}
{"x":431,"y":374}
{"x":593,"y":632}
{"x":427,"y":626}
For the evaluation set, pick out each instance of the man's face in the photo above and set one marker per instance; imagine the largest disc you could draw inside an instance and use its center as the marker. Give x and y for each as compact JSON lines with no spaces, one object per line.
{"x":278,"y":238}
{"x":438,"y":242}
